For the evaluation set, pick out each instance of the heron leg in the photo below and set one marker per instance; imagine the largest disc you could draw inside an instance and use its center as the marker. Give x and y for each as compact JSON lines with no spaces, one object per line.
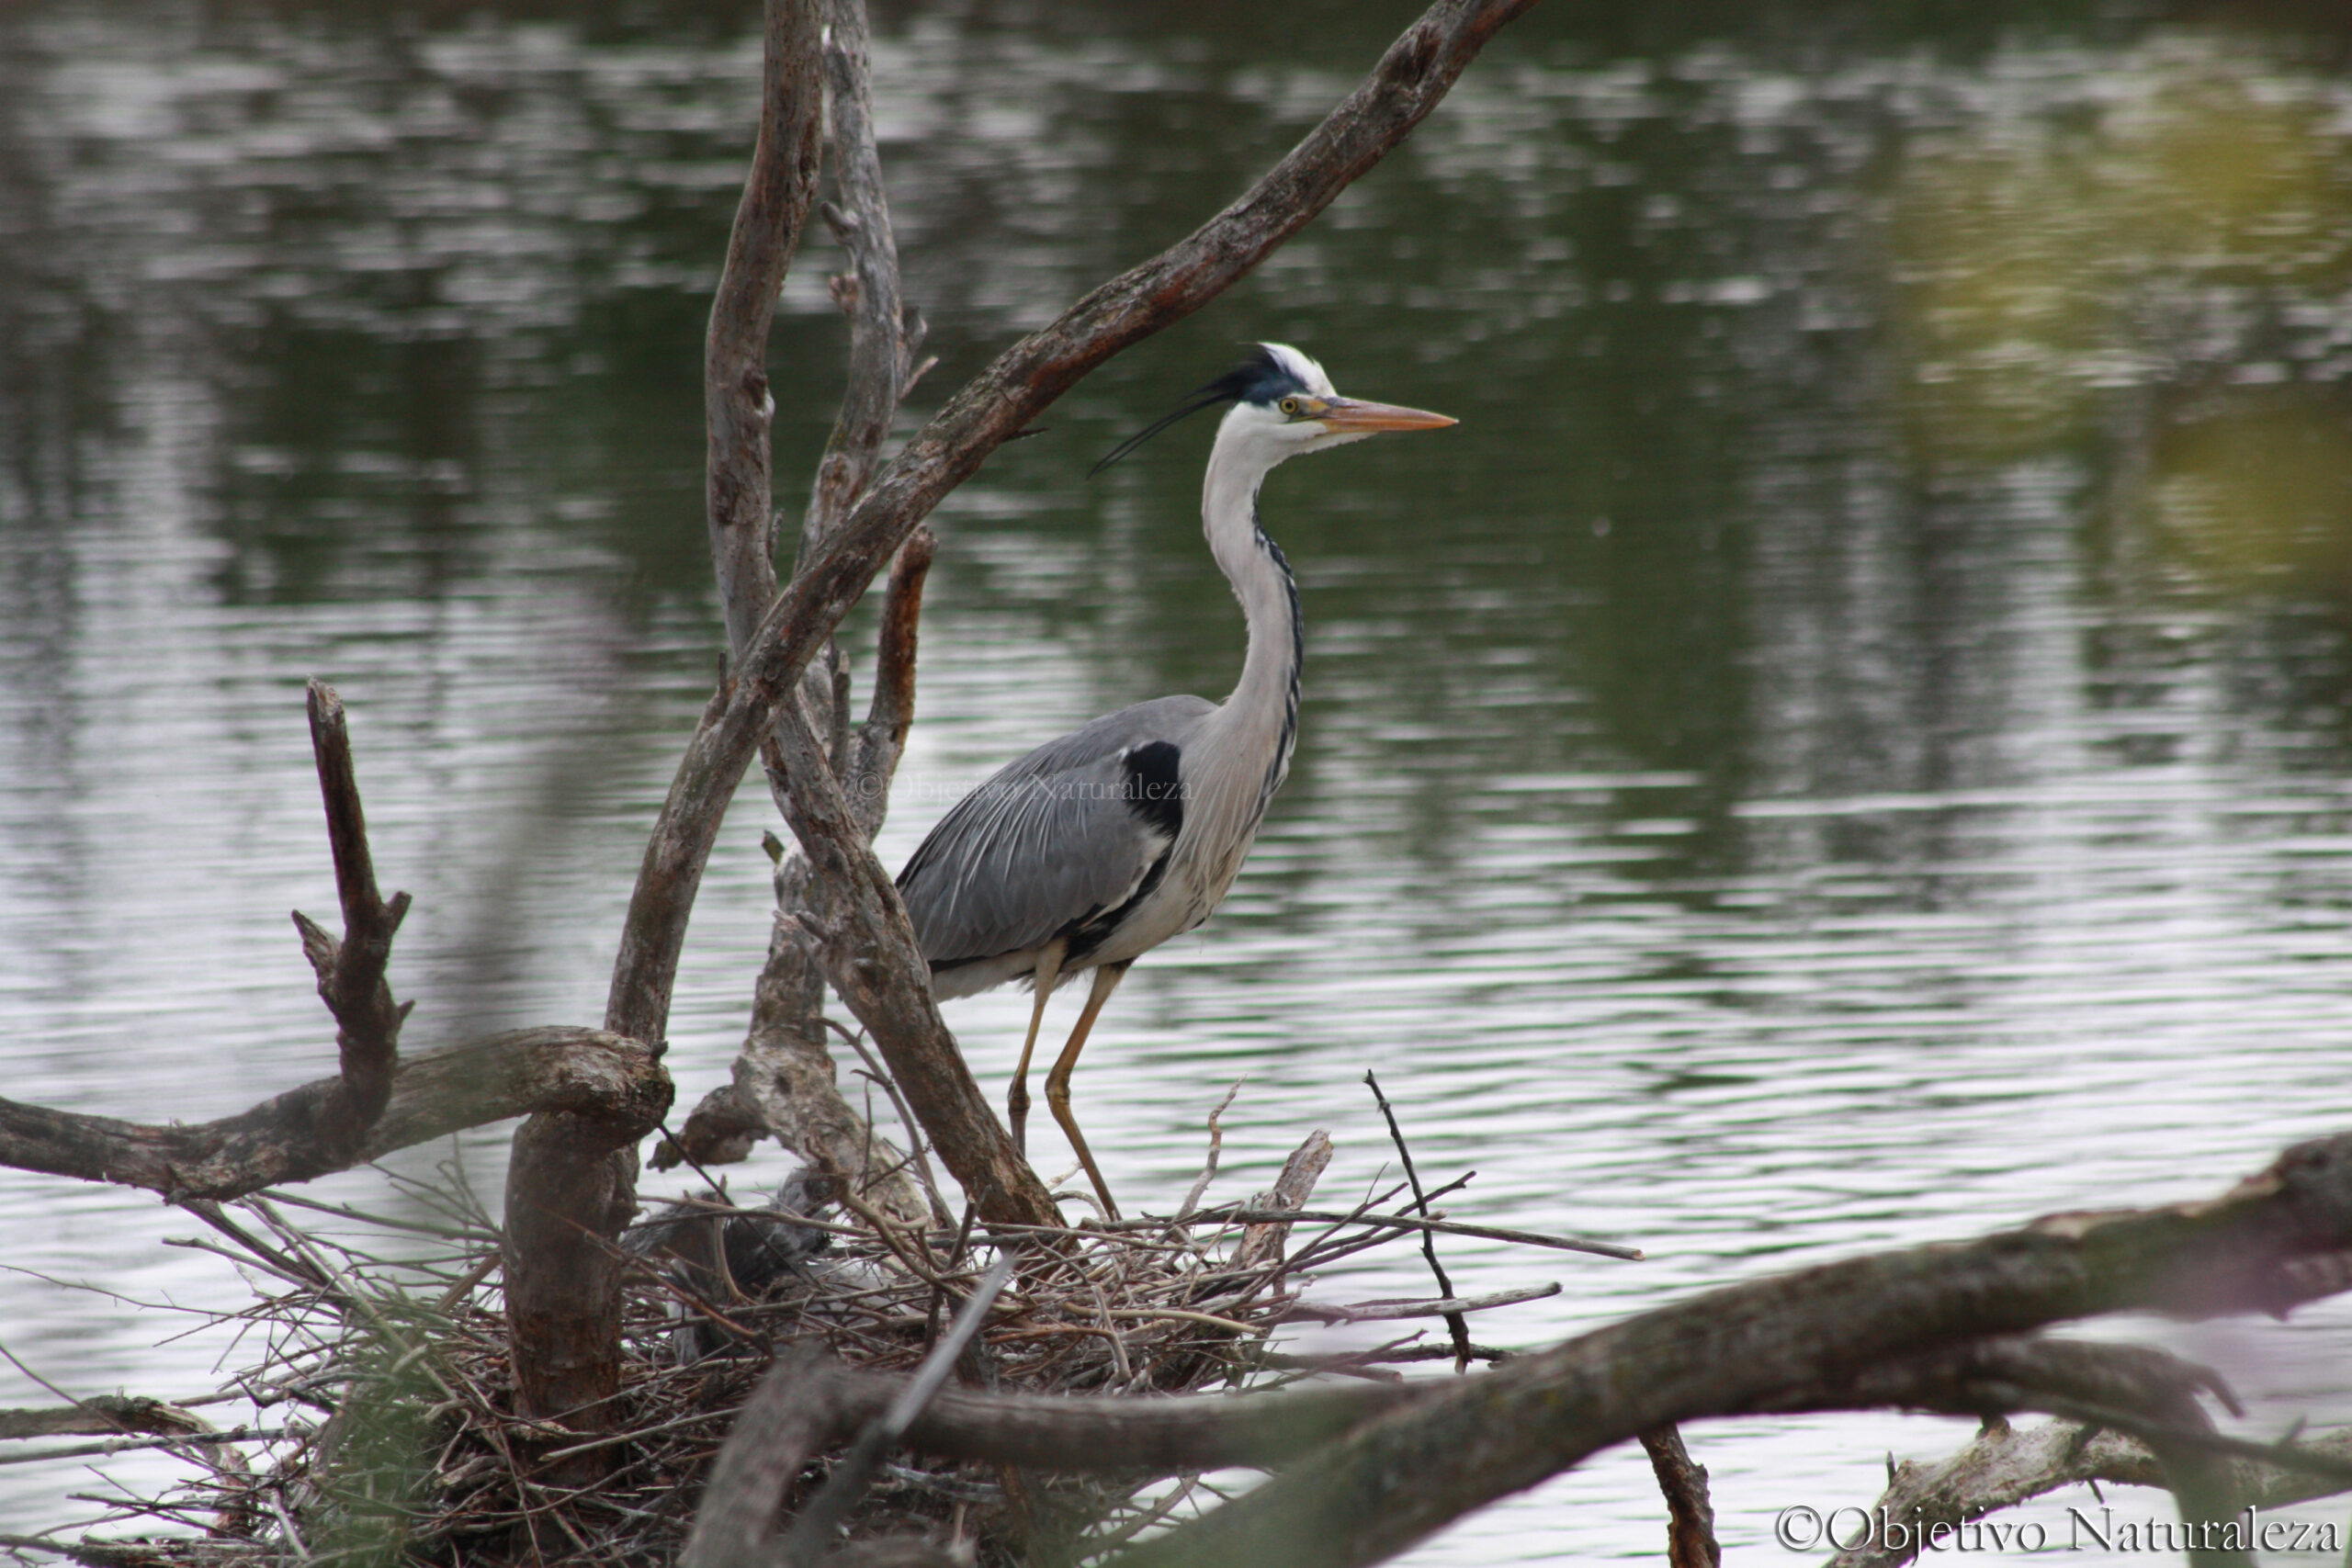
{"x":1045,"y":976}
{"x":1106,"y":980}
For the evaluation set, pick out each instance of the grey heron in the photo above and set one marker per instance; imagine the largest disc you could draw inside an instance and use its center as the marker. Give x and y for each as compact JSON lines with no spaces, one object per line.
{"x":1096,"y":848}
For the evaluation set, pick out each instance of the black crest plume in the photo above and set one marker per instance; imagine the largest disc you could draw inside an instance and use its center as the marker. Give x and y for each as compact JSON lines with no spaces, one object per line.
{"x":1259,"y":379}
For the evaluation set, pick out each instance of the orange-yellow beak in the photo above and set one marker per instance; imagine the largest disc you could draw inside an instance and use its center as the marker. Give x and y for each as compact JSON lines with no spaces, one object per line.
{"x":1346,"y":414}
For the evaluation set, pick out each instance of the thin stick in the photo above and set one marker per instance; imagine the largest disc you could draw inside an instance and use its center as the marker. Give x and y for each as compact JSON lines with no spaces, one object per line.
{"x":906,"y":1118}
{"x":1408,"y":1223}
{"x":1216,"y":1141}
{"x":1455,"y":1322}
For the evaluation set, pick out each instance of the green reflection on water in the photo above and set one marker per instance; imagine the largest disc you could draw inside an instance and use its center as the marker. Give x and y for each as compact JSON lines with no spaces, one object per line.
{"x":1756,"y":318}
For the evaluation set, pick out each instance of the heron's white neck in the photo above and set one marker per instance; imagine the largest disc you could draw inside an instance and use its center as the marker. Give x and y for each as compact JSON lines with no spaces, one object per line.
{"x":1262,"y":716}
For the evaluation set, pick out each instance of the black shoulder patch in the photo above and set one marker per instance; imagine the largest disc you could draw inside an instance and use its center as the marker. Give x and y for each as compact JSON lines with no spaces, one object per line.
{"x":1153,"y":792}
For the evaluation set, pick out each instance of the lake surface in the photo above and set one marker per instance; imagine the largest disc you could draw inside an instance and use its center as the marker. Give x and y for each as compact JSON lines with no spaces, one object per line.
{"x":1845,"y":746}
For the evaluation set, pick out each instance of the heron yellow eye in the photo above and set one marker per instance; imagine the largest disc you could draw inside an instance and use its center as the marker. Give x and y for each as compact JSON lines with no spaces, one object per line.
{"x":1289,"y":406}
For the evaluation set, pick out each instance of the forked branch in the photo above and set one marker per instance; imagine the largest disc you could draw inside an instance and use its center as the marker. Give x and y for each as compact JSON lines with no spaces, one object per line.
{"x":784,"y":1081}
{"x":351,"y":972}
{"x":378,"y":1103}
{"x":1409,"y":81}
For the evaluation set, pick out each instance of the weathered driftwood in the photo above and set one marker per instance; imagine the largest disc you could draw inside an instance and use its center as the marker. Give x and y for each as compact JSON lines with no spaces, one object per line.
{"x":785,"y":1073}
{"x":779,"y":192}
{"x":783,"y":1082}
{"x":886,"y":978}
{"x":1263,"y":1243}
{"x":2146,"y":1390}
{"x":880,"y":973}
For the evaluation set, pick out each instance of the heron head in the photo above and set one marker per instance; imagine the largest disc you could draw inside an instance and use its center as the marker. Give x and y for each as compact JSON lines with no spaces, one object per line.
{"x":1283,"y":404}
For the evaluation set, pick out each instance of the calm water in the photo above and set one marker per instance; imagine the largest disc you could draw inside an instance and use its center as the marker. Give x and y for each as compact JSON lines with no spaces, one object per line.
{"x":1845,"y":746}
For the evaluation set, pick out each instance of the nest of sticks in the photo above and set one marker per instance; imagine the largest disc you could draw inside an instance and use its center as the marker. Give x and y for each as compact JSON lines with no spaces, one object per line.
{"x":387,"y":1430}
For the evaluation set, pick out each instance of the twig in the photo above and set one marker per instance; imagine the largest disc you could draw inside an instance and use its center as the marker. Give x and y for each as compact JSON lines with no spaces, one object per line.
{"x":1208,"y":1171}
{"x":906,"y":1119}
{"x":1118,"y":1343}
{"x":1454,"y":1320}
{"x":124,"y":1445}
{"x":1409,"y":1223}
{"x":1447,"y":1307}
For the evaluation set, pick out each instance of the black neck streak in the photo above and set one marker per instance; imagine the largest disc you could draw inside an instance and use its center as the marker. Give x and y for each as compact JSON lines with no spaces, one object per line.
{"x":1279,"y":769}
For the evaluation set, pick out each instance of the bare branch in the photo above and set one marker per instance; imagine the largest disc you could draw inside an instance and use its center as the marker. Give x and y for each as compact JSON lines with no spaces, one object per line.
{"x":814,"y":1531}
{"x":1159,"y":1437}
{"x":738,"y":409}
{"x":879,"y":969}
{"x":784,"y":1075}
{"x":571,"y":1186}
{"x":1746,"y":1347}
{"x":2003,"y":1465}
{"x":1455,"y":1323}
{"x":1443,"y":1306}
{"x":1409,"y":81}
{"x":883,"y":736}
{"x":1407,"y":1222}
{"x":1691,"y":1518}
{"x":882,"y":341}
{"x":351,"y":972}
{"x":870,"y":961}
{"x":599,"y":1078}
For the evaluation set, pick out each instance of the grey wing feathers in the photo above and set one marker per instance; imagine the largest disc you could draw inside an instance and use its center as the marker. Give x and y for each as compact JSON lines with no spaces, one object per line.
{"x":1049,"y":841}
